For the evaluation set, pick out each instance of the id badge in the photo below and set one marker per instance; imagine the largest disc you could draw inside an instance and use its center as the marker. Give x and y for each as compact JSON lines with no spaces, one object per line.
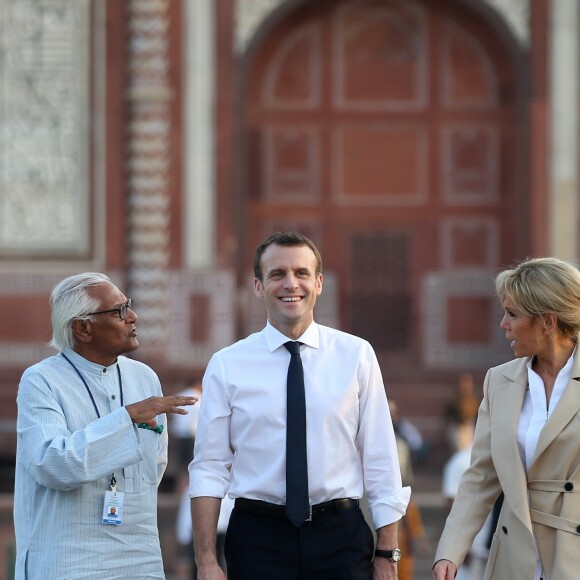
{"x":113,"y":508}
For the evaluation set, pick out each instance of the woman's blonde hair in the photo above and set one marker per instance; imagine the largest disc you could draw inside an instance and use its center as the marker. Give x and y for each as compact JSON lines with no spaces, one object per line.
{"x":539,"y":286}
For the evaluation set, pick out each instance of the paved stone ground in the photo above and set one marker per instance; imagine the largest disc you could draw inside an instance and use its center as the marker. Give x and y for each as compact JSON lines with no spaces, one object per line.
{"x":426,"y":492}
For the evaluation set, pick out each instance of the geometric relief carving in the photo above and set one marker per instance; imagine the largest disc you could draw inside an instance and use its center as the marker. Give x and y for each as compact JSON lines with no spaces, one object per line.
{"x":470,"y":164}
{"x":293,"y":78}
{"x":44,"y":178}
{"x":380,"y":55}
{"x":450,"y":343}
{"x":291,"y":164}
{"x":468,"y":78}
{"x":469,"y":242}
{"x":149,"y":165}
{"x":380,"y":301}
{"x":202,"y":315}
{"x":380,"y":164}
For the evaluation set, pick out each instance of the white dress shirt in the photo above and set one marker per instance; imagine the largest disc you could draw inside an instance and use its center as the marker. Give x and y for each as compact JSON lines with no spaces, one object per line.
{"x":535,"y":412}
{"x":65,"y":458}
{"x":241,"y":438}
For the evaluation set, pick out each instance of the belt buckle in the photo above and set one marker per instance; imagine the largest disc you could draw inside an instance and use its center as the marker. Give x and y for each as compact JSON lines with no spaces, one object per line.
{"x":309,"y":518}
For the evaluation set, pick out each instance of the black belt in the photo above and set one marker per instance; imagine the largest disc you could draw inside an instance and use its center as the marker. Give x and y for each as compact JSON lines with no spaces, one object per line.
{"x":272,"y":510}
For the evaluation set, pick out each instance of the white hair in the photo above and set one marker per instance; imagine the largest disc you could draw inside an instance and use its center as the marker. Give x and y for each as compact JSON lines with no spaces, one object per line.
{"x":71,"y":299}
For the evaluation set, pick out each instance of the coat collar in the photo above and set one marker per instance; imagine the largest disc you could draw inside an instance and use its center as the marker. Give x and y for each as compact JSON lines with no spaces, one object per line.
{"x":566,"y":409}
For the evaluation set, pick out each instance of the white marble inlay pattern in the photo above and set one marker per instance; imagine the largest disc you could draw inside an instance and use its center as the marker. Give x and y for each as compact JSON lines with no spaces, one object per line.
{"x":220,"y":288}
{"x":438,"y":351}
{"x":44,"y":75}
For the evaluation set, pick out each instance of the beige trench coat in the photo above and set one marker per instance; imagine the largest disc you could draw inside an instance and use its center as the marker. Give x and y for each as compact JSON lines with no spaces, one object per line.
{"x":544,"y":504}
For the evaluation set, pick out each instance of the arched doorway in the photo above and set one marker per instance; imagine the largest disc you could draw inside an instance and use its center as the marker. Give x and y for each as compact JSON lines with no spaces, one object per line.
{"x":389,"y":131}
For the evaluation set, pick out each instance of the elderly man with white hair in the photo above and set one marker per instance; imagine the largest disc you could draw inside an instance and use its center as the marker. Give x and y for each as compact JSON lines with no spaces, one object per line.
{"x":91,"y":443}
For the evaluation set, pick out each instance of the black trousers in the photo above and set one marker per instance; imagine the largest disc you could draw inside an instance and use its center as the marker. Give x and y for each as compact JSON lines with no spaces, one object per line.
{"x":336,"y":547}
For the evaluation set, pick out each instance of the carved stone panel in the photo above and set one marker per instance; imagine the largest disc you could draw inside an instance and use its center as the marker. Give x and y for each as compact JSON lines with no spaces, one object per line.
{"x":471,"y":166}
{"x":385,"y":42}
{"x":462,"y":317}
{"x":44,"y":75}
{"x":293,"y":76}
{"x":468,"y":77}
{"x":368,"y":159}
{"x":381,"y":298}
{"x":202,"y":316}
{"x":469,"y":243}
{"x":291,"y":163}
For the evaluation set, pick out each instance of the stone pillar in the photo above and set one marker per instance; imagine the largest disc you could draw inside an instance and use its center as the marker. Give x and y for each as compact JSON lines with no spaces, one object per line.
{"x":148,"y":164}
{"x":564,"y":111}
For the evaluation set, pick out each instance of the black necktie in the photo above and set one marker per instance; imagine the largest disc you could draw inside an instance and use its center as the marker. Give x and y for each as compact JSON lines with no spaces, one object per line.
{"x":297,"y":504}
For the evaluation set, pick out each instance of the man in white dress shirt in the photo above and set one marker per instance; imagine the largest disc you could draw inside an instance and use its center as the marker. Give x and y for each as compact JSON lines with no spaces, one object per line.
{"x":241,"y":440}
{"x":91,"y":445}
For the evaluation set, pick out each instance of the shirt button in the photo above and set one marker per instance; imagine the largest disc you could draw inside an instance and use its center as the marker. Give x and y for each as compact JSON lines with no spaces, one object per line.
{"x":569,"y":486}
{"x":578,"y":529}
{"x":113,"y":397}
{"x":104,"y":370}
{"x":504,"y":529}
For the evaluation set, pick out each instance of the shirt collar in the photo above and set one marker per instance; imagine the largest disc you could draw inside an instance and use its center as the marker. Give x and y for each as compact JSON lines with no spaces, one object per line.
{"x":565,"y":371}
{"x":275,"y":339}
{"x":86,"y":365}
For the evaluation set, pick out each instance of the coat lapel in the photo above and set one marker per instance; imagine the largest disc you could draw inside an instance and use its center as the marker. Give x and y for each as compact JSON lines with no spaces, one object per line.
{"x":566,"y":409}
{"x":507,"y":407}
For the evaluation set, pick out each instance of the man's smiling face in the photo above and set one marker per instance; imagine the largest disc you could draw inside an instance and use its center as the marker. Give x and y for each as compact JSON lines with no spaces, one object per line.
{"x":289,"y":287}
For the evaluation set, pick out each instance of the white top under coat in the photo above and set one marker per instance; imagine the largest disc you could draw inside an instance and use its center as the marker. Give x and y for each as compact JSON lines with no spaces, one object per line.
{"x":535,"y":413}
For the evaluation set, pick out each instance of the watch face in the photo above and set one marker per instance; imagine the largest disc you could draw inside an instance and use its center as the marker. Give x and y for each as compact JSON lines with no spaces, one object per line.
{"x":397,"y":554}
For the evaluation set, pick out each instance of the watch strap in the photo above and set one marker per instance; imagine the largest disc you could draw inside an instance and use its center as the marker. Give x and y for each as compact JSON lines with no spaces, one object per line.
{"x":392,"y":555}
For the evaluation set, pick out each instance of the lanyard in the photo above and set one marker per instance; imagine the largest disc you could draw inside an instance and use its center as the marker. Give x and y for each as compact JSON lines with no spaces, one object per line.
{"x":87,"y":386}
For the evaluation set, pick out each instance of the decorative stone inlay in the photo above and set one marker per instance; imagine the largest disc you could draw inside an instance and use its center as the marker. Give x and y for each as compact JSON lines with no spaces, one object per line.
{"x":220,"y":289}
{"x":44,"y":66}
{"x":438,"y":351}
{"x":148,"y":164}
{"x":250,"y":14}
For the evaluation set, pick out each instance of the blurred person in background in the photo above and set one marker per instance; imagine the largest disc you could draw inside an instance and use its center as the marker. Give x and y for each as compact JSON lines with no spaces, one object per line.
{"x":411,"y":434}
{"x":90,"y":438}
{"x":461,"y":412}
{"x":527,"y":434}
{"x":473,"y":567}
{"x":182,"y":429}
{"x":411,"y":531}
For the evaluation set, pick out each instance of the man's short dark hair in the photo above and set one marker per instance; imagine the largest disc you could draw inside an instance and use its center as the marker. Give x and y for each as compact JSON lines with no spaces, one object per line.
{"x":285,"y":239}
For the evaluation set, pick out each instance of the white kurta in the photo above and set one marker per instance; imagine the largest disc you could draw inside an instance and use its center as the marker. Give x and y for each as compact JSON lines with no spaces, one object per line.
{"x":65,"y":458}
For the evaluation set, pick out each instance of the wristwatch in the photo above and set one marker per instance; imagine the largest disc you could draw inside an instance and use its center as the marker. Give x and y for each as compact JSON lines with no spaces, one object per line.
{"x":393,"y":555}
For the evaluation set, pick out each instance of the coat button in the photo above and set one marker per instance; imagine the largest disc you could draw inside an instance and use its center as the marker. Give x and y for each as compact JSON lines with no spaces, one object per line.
{"x":504,"y":529}
{"x":568,"y":486}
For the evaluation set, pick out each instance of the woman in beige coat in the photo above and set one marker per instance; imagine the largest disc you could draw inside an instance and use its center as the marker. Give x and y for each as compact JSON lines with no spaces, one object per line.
{"x":527,"y":439}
